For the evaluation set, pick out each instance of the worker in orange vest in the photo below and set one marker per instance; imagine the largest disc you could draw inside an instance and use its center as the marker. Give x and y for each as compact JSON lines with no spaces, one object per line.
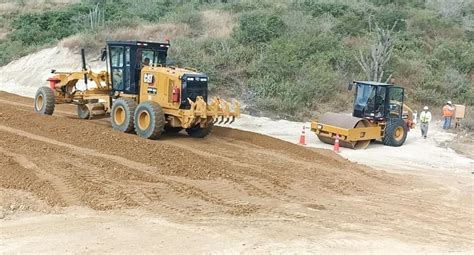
{"x":448,"y":112}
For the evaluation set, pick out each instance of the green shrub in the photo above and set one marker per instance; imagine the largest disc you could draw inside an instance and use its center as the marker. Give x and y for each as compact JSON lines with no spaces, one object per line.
{"x":352,"y":23}
{"x":456,"y":86}
{"x":258,"y":27}
{"x":42,"y":28}
{"x":424,"y":23}
{"x":427,"y":96}
{"x":391,"y":16}
{"x":455,"y":54}
{"x":398,"y":3}
{"x":316,"y":8}
{"x":241,"y":6}
{"x":467,"y":123}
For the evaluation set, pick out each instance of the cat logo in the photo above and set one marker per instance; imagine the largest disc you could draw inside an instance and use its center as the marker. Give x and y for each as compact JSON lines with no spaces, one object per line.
{"x":148,"y":78}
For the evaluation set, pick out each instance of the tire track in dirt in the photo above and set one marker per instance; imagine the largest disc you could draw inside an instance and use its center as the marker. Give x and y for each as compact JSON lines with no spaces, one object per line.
{"x":64,"y":189}
{"x":31,"y":107}
{"x":83,"y":151}
{"x":230,"y":173}
{"x":259,"y":175}
{"x":177,"y":184}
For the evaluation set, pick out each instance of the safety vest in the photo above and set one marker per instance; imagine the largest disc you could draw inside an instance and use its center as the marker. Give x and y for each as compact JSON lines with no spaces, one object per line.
{"x":425,"y":117}
{"x":448,"y":111}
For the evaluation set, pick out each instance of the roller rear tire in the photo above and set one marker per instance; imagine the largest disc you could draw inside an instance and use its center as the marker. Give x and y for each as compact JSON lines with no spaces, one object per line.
{"x":395,"y":133}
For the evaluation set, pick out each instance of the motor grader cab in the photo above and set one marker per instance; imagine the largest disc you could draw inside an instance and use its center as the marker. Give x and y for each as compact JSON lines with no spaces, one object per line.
{"x":127,"y":59}
{"x":141,"y":93}
{"x":378,"y":113}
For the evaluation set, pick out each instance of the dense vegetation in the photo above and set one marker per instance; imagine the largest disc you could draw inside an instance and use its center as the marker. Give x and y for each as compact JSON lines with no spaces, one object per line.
{"x":292,"y":58}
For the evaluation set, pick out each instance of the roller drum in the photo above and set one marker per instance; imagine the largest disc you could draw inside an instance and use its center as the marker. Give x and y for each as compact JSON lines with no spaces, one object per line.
{"x":346,"y":122}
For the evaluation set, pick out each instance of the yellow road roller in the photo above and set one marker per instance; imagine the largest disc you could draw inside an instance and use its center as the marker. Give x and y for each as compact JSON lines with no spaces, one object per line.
{"x":378,"y":115}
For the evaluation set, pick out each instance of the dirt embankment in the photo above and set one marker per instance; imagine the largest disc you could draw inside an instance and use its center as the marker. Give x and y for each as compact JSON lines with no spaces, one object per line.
{"x":51,"y":162}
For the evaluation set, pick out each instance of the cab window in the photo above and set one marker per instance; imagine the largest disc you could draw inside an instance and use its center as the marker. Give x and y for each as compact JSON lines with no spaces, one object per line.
{"x":395,"y":101}
{"x":154,"y":58}
{"x":117,"y":56}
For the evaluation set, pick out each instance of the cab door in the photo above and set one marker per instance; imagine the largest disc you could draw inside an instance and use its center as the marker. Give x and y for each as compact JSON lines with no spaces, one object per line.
{"x":395,"y":102}
{"x":120,"y":69}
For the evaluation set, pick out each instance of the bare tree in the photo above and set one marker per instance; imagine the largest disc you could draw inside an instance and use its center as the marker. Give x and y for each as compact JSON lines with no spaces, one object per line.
{"x":379,"y":54}
{"x":96,"y":17}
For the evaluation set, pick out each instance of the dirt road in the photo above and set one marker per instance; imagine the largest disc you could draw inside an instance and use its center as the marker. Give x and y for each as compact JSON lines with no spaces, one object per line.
{"x":70,"y":185}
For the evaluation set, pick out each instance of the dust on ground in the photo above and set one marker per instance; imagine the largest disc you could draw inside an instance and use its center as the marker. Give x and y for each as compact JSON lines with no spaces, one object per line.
{"x":464,"y":144}
{"x":435,"y":155}
{"x":70,"y":185}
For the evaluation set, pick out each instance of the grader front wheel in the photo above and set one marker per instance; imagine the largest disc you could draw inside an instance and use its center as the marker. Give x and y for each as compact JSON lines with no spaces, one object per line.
{"x":44,"y":101}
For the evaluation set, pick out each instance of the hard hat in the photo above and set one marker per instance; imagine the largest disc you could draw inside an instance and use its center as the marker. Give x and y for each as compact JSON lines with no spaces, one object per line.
{"x":425,"y":108}
{"x":449,"y":102}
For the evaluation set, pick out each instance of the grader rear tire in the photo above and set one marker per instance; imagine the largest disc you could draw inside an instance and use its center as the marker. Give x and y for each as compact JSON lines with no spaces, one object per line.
{"x":395,"y":133}
{"x":122,"y":113}
{"x":149,"y":120}
{"x":199,"y":132}
{"x":44,"y":101}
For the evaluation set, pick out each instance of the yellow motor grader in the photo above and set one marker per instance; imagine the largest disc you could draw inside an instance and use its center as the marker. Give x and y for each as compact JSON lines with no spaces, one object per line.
{"x":378,"y":114}
{"x":141,"y":93}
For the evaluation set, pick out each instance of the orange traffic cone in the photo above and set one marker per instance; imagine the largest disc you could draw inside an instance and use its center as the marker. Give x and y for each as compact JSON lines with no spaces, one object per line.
{"x":336,"y":144}
{"x":302,"y":137}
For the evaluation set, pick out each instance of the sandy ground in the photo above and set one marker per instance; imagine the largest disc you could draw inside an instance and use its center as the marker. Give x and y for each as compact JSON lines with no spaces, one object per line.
{"x":70,"y":185}
{"x":430,"y":155}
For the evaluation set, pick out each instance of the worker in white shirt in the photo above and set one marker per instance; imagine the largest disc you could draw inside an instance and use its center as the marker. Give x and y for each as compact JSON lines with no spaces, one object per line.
{"x":425,"y":119}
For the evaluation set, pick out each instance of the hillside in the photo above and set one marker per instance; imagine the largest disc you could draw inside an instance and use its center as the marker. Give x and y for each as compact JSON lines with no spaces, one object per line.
{"x":287,"y":59}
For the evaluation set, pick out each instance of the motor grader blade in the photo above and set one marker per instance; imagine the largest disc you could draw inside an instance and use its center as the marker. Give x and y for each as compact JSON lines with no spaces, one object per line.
{"x":96,"y":109}
{"x":354,"y":133}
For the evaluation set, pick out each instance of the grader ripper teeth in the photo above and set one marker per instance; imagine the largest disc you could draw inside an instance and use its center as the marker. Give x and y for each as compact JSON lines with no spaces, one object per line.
{"x":217,"y":108}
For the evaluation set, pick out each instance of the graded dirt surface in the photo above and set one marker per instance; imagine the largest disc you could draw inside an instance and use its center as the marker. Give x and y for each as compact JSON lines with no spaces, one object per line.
{"x":71,"y":185}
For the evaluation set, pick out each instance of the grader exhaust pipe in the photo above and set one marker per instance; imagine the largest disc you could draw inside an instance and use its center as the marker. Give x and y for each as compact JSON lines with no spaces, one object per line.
{"x":84,"y":67}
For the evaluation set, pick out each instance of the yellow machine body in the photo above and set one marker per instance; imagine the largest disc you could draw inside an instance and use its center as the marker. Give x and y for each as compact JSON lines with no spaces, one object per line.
{"x":164,"y":80}
{"x":353,"y":132}
{"x":388,"y":121}
{"x":157,"y":89}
